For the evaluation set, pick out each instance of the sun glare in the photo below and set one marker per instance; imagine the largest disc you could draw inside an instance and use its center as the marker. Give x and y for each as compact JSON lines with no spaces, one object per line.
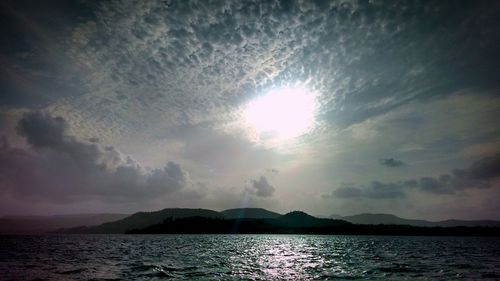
{"x":282,"y":113}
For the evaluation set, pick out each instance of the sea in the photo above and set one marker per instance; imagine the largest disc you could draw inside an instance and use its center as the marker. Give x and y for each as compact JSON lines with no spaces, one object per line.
{"x":248,"y":257}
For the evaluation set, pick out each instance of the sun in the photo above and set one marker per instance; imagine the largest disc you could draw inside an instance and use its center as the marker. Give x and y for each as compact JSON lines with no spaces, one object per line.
{"x":282,"y":113}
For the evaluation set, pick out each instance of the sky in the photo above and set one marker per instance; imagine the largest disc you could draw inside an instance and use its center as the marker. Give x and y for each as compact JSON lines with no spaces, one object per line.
{"x":329,"y":107}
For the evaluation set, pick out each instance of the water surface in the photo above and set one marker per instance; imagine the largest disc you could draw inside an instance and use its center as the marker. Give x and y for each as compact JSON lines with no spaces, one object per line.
{"x":248,"y":257}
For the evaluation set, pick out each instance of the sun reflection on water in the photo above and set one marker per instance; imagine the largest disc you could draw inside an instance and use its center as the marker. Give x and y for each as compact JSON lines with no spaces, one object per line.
{"x":283,"y":258}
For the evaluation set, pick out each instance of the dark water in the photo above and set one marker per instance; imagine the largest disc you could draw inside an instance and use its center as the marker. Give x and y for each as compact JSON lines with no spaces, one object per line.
{"x":250,"y":257}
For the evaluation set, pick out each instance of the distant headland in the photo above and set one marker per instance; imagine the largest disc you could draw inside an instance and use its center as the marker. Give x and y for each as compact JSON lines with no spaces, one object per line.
{"x":262,"y":221}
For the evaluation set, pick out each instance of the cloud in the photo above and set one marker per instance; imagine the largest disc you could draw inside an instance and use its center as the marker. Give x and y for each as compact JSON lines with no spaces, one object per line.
{"x":345,"y":192}
{"x":42,"y":130}
{"x":60,"y":168}
{"x":390,"y":162}
{"x":122,"y":73}
{"x":189,"y":62}
{"x":262,"y":187}
{"x":478,"y":175}
{"x":379,"y":190}
{"x":484,"y":169}
{"x":375,"y":190}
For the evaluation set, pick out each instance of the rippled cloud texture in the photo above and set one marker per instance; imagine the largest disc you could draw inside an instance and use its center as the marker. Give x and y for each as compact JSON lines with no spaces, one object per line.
{"x":126,"y":106}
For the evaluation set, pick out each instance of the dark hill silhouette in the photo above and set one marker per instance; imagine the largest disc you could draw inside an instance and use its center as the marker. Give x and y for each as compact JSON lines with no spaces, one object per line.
{"x":294,"y":222}
{"x":300,"y":223}
{"x":207,"y":221}
{"x":145,"y":219}
{"x":41,"y":224}
{"x":255,"y":220}
{"x":249,"y":213}
{"x":384,"y":219}
{"x":454,"y":223}
{"x":298,"y":219}
{"x":389,"y":219}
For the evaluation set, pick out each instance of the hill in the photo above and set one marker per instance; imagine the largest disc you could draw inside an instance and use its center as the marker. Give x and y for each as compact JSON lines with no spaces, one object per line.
{"x":453,"y":223}
{"x":293,"y":222}
{"x":144,"y":219}
{"x":389,"y":219}
{"x":249,"y":213}
{"x":252,"y":220}
{"x":41,"y":224}
{"x":298,"y":219}
{"x":301,"y":223}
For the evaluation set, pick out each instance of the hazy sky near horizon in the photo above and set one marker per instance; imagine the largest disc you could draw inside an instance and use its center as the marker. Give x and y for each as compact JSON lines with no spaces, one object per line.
{"x":330,"y":107}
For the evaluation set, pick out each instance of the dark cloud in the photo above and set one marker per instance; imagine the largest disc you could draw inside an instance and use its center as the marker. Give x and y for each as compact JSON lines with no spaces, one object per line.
{"x":376,"y":190}
{"x":478,"y":175}
{"x":60,"y":168}
{"x":440,"y":185}
{"x":379,"y":190}
{"x":262,"y":187}
{"x":345,"y":192}
{"x":390,"y":162}
{"x":43,"y":131}
{"x":484,"y":169}
{"x":35,"y":70}
{"x":373,"y":55}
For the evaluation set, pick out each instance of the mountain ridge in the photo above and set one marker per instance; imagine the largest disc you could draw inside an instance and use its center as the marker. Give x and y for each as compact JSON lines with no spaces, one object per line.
{"x":144,"y":219}
{"x":41,"y":224}
{"x":390,"y":219}
{"x":295,"y":222}
{"x":121,"y":223}
{"x":249,"y":213}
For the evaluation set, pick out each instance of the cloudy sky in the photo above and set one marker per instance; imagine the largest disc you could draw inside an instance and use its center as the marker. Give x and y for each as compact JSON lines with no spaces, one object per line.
{"x":330,"y":107}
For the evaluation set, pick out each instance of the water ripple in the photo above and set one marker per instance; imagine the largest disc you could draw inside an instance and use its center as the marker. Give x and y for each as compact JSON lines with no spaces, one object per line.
{"x":247,"y":257}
